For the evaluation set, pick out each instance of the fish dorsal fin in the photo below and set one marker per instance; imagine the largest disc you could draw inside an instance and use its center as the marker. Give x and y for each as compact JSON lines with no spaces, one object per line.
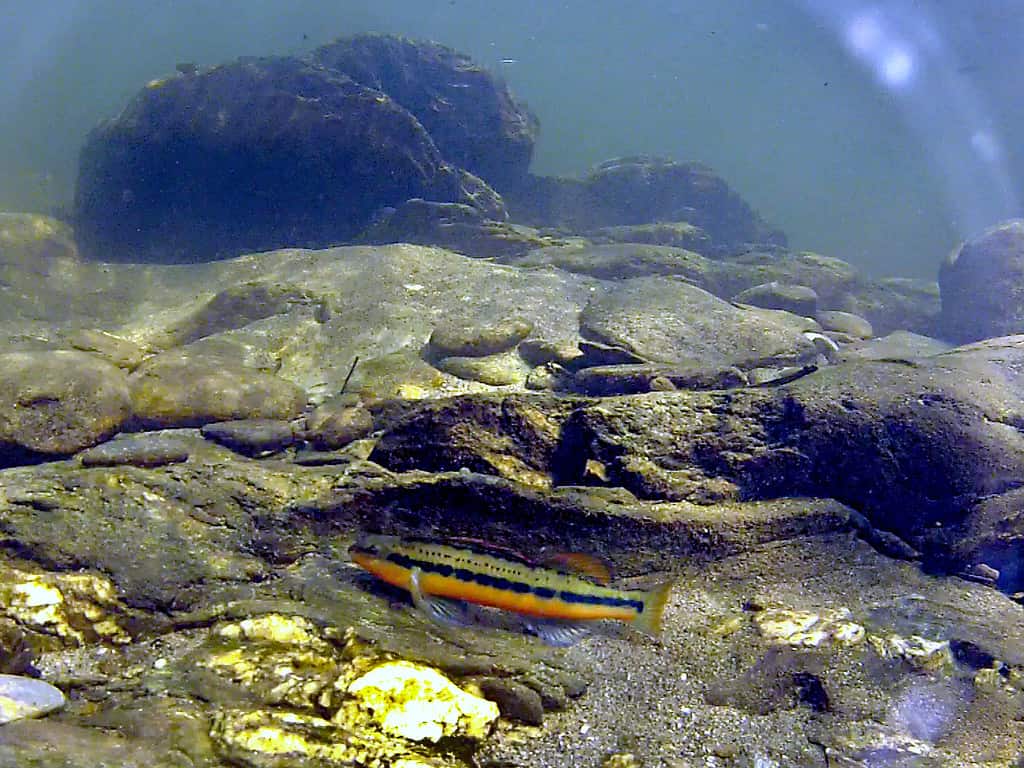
{"x":580,"y":563}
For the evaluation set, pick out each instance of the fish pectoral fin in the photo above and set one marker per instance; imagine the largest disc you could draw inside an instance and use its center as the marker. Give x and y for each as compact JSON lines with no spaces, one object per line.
{"x":452,"y":613}
{"x":558,"y":632}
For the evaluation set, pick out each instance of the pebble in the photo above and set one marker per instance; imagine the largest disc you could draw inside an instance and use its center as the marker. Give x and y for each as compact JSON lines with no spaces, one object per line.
{"x":141,"y":450}
{"x":465,"y":340}
{"x":22,"y":697}
{"x":252,"y":437}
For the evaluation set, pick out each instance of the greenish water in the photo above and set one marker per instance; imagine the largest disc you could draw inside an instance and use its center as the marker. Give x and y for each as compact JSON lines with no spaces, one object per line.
{"x":878,"y":138}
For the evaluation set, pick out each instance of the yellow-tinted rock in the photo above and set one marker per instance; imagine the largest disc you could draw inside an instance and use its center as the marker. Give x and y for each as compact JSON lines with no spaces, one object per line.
{"x":496,"y":370}
{"x":177,"y":389}
{"x":808,"y":629}
{"x":26,"y":238}
{"x":918,"y":651}
{"x":417,"y":703}
{"x":75,"y":607}
{"x":270,"y":738}
{"x":276,"y":628}
{"x":279,"y":659}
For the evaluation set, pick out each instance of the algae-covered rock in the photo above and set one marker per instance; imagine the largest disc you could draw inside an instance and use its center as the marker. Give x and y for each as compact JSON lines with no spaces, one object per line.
{"x":979,"y":284}
{"x":677,"y":234}
{"x":279,"y":660}
{"x":454,"y":339}
{"x":456,"y":226}
{"x":338,"y":422}
{"x":496,"y":370}
{"x":235,"y":307}
{"x":846,"y":323}
{"x":798,"y":299}
{"x":29,"y":238}
{"x":176,"y":389}
{"x":114,"y":349}
{"x":148,"y":449}
{"x":252,"y":437}
{"x":274,"y":739}
{"x":417,"y":703}
{"x":671,"y":321}
{"x":59,"y":402}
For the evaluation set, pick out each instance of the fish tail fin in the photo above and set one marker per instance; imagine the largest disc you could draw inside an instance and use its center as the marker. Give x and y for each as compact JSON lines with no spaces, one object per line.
{"x":649,"y":620}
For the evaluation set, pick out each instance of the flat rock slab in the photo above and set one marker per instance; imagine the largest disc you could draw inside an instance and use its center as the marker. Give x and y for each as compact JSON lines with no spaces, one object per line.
{"x":671,"y":321}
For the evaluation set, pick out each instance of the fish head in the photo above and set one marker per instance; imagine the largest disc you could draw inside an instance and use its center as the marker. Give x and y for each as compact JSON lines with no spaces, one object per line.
{"x":372,"y":546}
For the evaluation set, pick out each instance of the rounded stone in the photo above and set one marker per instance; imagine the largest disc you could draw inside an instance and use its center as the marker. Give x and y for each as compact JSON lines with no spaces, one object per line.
{"x":148,"y":449}
{"x":798,"y":299}
{"x":176,"y":389}
{"x":61,"y":401}
{"x":496,"y":370}
{"x":846,"y":323}
{"x":514,"y":699}
{"x":22,"y":697}
{"x":980,"y":285}
{"x":337,"y":423}
{"x":471,"y":340}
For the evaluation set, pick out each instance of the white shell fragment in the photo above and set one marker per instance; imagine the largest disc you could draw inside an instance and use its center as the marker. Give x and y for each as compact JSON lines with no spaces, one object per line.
{"x":22,"y":697}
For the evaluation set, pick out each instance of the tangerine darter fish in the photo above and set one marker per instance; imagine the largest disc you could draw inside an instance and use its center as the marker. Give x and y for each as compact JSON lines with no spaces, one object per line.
{"x":442,"y":577}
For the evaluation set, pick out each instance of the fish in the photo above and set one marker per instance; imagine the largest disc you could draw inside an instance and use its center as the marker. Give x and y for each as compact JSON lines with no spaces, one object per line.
{"x":557,"y":601}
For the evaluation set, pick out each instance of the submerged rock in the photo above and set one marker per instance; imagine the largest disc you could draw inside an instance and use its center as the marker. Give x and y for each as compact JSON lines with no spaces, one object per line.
{"x":245,"y":156}
{"x":22,"y":697}
{"x":28,"y":239}
{"x":644,"y":190}
{"x":453,"y":339}
{"x":417,"y":703}
{"x":980,"y":285}
{"x":471,"y":115}
{"x":58,"y":402}
{"x":144,"y":450}
{"x":178,"y":389}
{"x":253,"y":437}
{"x":671,"y":321}
{"x":338,"y":422}
{"x":798,"y":299}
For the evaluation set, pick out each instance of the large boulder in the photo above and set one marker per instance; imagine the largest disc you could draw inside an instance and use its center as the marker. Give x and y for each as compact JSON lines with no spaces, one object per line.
{"x":253,"y":155}
{"x":982,"y":285}
{"x":471,"y":115}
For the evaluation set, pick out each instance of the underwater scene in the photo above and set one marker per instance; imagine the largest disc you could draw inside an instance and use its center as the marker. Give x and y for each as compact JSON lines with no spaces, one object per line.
{"x":458,"y":384}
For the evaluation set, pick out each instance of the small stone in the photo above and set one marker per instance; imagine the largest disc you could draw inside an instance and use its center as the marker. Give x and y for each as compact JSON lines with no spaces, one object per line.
{"x":337,"y":423}
{"x":846,"y":323}
{"x":142,"y":450}
{"x":496,"y":371}
{"x":514,"y":699}
{"x":22,"y":697}
{"x":417,"y":703}
{"x":467,"y":340}
{"x":798,"y":299}
{"x":252,"y":437}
